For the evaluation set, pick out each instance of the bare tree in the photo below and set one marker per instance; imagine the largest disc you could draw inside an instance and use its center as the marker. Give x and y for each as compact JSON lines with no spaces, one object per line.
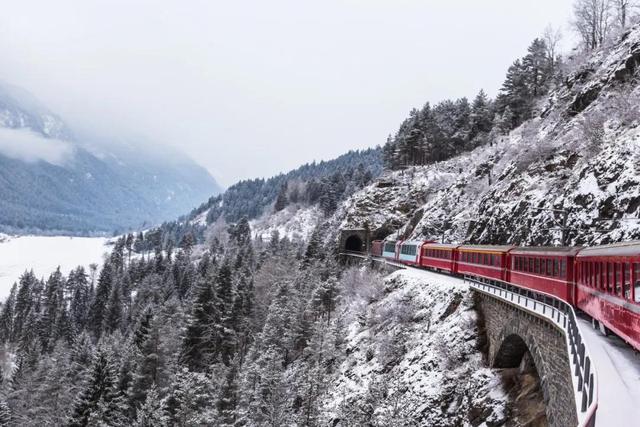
{"x":552,"y":37}
{"x":592,"y":21}
{"x":623,"y":9}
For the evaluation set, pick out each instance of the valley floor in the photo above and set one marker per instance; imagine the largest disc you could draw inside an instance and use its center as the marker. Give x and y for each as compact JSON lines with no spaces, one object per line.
{"x":44,"y":254}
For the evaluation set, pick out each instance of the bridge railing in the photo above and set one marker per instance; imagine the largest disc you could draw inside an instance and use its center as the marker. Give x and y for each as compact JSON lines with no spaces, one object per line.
{"x":562,"y":315}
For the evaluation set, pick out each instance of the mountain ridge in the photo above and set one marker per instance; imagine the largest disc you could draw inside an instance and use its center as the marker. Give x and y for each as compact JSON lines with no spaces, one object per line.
{"x":52,"y":182}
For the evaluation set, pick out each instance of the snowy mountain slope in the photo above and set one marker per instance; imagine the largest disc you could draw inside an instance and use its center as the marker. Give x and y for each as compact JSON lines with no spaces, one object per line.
{"x":53,"y":180}
{"x":581,"y":155}
{"x":294,"y":222}
{"x":412,"y":359}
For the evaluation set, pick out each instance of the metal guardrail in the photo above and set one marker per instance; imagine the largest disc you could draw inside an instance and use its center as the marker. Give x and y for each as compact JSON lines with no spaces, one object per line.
{"x":563,"y":316}
{"x":560,"y":314}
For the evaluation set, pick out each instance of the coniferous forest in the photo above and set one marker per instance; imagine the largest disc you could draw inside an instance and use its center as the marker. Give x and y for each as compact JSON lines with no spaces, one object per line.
{"x":171,"y":337}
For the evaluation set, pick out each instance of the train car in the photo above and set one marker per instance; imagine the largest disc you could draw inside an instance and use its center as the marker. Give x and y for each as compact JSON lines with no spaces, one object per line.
{"x":484,"y":261}
{"x":545,"y":269}
{"x":376,"y":248}
{"x":608,"y":288}
{"x":439,"y":256}
{"x":409,"y":252}
{"x":390,"y":249}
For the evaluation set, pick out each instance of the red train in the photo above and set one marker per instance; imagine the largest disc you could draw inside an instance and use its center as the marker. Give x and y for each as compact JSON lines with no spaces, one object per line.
{"x":602,"y":281}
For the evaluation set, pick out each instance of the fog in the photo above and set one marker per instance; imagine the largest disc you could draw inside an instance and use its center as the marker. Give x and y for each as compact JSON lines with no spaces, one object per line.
{"x":22,"y":144}
{"x":252,"y":88}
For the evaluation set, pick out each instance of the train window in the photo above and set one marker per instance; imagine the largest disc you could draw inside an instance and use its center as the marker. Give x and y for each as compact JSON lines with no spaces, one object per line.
{"x":556,"y":268}
{"x":536,"y":265}
{"x":610,"y":277}
{"x":619,"y":280}
{"x":487,"y":260}
{"x":626,"y":280}
{"x":549,"y":267}
{"x":636,"y":286}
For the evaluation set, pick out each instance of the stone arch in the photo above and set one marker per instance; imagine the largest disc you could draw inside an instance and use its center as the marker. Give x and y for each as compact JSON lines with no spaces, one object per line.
{"x":507,"y":328}
{"x":354,"y":243}
{"x":511,"y":352}
{"x":517,"y":347}
{"x":512,"y":344}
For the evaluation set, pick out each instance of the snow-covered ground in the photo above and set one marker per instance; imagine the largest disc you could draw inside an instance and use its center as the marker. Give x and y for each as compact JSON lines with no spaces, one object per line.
{"x":44,"y":254}
{"x":412,"y":359}
{"x":618,"y":370}
{"x":295,"y":222}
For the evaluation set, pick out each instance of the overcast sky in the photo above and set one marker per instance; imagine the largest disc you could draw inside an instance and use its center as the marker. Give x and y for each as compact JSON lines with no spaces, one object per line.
{"x":253,"y":88}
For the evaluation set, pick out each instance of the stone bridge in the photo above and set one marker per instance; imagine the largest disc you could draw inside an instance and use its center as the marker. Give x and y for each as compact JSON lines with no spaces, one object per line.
{"x":525,"y":328}
{"x":513,"y":334}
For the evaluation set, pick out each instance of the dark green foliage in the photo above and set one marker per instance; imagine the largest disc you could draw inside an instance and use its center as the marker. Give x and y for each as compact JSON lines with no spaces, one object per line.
{"x":202,"y":333}
{"x":170,"y":339}
{"x":436,"y":133}
{"x":99,"y":399}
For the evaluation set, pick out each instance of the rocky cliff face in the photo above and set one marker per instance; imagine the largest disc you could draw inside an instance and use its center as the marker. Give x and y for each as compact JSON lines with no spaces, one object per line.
{"x":579,"y":159}
{"x":412,"y":358}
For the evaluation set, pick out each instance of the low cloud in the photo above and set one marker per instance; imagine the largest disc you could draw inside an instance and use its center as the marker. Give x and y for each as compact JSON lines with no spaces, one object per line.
{"x":28,"y":146}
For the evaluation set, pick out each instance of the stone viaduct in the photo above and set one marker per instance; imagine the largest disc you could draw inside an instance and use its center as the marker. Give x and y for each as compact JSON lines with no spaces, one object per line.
{"x":515,"y":332}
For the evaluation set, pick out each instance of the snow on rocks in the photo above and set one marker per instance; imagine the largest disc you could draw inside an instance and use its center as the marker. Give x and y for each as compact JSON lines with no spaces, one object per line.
{"x":581,"y":154}
{"x":413,"y":360}
{"x":294,"y":222}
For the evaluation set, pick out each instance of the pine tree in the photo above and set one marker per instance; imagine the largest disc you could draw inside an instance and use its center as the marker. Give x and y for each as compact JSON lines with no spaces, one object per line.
{"x":224,"y":299}
{"x":147,"y":362}
{"x":78,"y":286}
{"x":99,"y":400}
{"x":281,"y":200}
{"x":99,"y":304}
{"x":7,"y":314}
{"x":481,"y":115}
{"x":24,"y":303}
{"x":201,"y":335}
{"x":52,"y":306}
{"x":113,"y":312}
{"x":152,"y":413}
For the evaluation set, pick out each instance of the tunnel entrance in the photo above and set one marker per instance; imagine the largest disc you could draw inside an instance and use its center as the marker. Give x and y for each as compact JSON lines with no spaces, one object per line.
{"x":353,"y":244}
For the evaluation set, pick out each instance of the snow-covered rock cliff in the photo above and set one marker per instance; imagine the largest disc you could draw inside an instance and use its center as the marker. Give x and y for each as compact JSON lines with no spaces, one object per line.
{"x":581,"y":154}
{"x":412,"y":358}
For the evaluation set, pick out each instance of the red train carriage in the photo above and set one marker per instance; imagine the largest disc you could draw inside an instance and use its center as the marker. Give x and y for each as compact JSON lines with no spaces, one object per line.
{"x":608,"y":287}
{"x":484,"y":261}
{"x":376,"y":248}
{"x":545,"y":269}
{"x":439,"y":256}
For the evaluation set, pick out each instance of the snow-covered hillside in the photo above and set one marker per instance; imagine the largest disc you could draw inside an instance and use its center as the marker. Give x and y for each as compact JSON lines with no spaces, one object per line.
{"x":43,"y":254}
{"x":412,"y":359}
{"x":581,"y":154}
{"x":294,"y":222}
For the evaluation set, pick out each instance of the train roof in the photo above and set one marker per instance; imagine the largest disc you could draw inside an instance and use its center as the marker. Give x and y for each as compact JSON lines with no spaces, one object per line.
{"x":485,"y":248}
{"x":412,"y":242}
{"x":617,"y":249}
{"x":441,"y":245}
{"x":547,"y":250}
